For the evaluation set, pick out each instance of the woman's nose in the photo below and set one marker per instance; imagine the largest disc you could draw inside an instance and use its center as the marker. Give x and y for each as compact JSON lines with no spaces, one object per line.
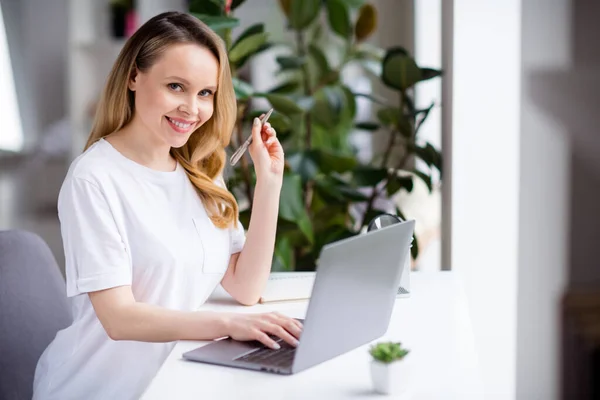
{"x":190,"y":106}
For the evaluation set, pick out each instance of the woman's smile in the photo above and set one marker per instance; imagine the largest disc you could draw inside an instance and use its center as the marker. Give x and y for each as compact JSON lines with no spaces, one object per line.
{"x":180,"y":125}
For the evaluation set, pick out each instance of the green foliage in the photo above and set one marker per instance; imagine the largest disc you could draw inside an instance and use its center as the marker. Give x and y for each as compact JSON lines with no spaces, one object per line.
{"x":388,"y":352}
{"x":315,"y":112}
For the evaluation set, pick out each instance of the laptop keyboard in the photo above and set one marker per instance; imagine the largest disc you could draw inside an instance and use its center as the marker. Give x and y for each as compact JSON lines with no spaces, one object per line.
{"x":276,"y":358}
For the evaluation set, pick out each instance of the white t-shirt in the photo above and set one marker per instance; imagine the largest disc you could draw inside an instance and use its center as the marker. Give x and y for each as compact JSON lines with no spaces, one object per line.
{"x":126,"y":224}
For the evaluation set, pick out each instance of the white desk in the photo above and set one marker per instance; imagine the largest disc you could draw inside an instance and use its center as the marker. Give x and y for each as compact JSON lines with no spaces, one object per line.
{"x":433,"y":323}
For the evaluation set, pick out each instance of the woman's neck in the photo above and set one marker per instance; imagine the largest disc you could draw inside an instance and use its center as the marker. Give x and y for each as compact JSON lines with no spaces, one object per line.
{"x":134,"y":143}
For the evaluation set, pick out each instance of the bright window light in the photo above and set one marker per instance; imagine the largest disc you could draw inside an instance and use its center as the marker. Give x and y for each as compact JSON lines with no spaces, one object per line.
{"x":11,"y":133}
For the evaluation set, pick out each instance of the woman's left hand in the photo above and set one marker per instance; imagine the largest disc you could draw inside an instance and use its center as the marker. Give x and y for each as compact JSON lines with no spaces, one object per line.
{"x":266,"y":152}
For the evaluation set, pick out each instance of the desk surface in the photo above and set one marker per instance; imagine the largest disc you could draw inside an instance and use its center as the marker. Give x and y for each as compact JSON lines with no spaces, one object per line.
{"x":433,"y":323}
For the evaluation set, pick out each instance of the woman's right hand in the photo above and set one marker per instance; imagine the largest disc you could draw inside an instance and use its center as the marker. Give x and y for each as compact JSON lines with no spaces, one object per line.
{"x":245,"y":327}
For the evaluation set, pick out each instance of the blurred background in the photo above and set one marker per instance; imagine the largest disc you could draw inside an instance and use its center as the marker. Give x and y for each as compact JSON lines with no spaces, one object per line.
{"x":478,"y":119}
{"x":350,"y":137}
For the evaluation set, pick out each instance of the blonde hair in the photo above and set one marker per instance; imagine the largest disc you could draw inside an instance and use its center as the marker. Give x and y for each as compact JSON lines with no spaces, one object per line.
{"x":203,"y":156}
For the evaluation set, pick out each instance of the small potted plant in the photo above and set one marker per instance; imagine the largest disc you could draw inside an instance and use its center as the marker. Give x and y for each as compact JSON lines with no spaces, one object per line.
{"x":389,"y":371}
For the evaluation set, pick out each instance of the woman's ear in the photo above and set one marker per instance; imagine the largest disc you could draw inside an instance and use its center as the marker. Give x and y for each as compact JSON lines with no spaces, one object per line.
{"x":132,"y":83}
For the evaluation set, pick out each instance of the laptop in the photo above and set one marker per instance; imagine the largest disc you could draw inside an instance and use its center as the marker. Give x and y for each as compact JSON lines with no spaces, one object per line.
{"x":356,"y":279}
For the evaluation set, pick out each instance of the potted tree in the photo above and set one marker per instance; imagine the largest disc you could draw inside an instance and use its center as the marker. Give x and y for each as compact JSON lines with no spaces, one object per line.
{"x":328,"y":192}
{"x":389,"y":370}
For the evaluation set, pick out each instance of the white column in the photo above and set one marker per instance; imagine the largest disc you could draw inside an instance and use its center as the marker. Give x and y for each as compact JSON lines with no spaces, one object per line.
{"x":485,"y":178}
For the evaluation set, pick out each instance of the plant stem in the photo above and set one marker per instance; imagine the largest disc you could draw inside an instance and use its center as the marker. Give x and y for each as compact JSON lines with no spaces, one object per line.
{"x":306,"y":83}
{"x":386,"y":156}
{"x":309,"y":186}
{"x":377,"y":192}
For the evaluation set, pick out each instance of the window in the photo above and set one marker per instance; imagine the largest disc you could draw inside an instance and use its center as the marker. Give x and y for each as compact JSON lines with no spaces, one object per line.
{"x":11,"y":137}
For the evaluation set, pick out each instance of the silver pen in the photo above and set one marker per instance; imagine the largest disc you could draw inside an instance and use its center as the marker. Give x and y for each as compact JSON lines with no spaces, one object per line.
{"x":235,"y":157}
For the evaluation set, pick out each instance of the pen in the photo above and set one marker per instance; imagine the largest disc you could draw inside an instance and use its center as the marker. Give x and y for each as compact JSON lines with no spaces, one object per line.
{"x":239,"y":152}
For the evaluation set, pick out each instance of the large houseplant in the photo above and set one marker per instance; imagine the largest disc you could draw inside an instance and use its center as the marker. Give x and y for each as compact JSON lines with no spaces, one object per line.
{"x":324,"y":183}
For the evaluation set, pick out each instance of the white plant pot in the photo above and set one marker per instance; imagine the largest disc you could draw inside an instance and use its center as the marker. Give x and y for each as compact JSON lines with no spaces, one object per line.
{"x":392,"y":378}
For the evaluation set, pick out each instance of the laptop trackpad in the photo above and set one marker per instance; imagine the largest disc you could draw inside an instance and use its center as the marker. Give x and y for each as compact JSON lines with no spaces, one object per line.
{"x":224,"y":349}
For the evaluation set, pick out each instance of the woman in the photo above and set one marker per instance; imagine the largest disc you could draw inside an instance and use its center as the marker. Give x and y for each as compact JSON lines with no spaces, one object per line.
{"x":149,"y":228}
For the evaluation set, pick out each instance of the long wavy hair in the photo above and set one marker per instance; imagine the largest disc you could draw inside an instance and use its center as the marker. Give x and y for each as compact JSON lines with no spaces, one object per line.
{"x":203,"y":156}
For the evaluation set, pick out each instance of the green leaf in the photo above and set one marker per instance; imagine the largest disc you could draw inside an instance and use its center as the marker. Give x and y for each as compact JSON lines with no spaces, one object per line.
{"x":414,"y":247}
{"x":425,"y":178}
{"x":329,"y":161}
{"x":329,"y":216}
{"x":366,"y":22}
{"x":250,"y":31}
{"x":329,"y":103}
{"x":409,"y":103}
{"x":218,"y":22}
{"x":336,"y":193}
{"x":387,"y":352}
{"x":286,"y":87}
{"x":368,"y":176}
{"x":291,"y":205}
{"x":303,"y":164}
{"x":283,"y":104}
{"x":398,"y":182}
{"x":242,"y":89}
{"x":309,"y":163}
{"x":247,"y":47}
{"x":244,"y":217}
{"x":350,"y":102}
{"x":303,"y":13}
{"x":429,"y":73}
{"x":367,"y":126}
{"x":320,"y":61}
{"x":391,"y":116}
{"x":422,"y":115}
{"x":284,"y":253}
{"x":373,"y":98}
{"x":329,"y":194}
{"x":428,"y":154}
{"x":262,"y":48}
{"x":290,"y":62}
{"x":339,"y":18}
{"x":206,"y":7}
{"x":399,"y":70}
{"x":334,"y":106}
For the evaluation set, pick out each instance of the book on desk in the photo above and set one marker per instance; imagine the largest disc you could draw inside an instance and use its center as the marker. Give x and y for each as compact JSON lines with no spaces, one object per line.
{"x":295,"y":286}
{"x":288,"y":286}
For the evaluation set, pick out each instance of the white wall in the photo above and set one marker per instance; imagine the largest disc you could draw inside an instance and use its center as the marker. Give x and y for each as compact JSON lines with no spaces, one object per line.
{"x":485,"y":179}
{"x":543,"y":237}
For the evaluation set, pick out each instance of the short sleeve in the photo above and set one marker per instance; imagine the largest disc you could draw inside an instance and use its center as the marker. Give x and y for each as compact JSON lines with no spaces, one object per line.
{"x":96,"y":255}
{"x":237,"y":235}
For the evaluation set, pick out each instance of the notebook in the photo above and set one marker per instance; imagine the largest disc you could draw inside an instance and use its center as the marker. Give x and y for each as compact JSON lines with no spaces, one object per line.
{"x":288,"y":286}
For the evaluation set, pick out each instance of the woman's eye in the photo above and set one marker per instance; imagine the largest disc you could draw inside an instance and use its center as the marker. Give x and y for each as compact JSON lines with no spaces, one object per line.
{"x":175,"y":86}
{"x":205,"y":92}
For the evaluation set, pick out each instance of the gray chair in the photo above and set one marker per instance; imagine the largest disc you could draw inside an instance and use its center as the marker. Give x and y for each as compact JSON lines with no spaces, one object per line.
{"x":33,"y":308}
